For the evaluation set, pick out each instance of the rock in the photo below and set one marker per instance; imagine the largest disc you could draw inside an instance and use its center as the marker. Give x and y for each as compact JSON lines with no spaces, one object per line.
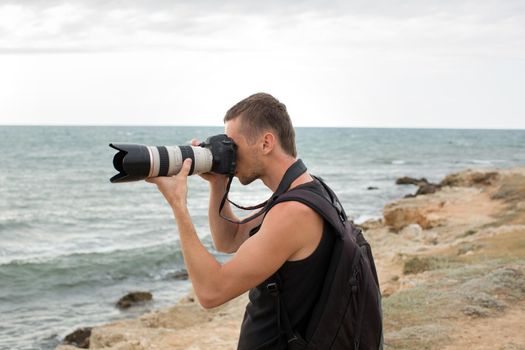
{"x":405,"y":180}
{"x":397,"y":217}
{"x":133,"y":298}
{"x":427,"y":189}
{"x":470,"y":178}
{"x":412,"y":232}
{"x":394,"y":278}
{"x":388,"y":290}
{"x":484,"y":178}
{"x":79,"y":338}
{"x":181,"y":275}
{"x":372,"y":188}
{"x":371,"y":224}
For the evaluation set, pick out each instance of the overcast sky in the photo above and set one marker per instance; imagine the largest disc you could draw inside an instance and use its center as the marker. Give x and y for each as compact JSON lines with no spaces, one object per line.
{"x":413,"y":63}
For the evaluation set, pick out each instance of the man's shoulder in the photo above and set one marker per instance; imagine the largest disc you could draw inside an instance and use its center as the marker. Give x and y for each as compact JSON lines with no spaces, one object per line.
{"x":291,"y":207}
{"x":291,"y":212}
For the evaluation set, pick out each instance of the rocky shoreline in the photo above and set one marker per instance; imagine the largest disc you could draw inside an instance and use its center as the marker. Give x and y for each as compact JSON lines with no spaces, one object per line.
{"x":451,"y":262}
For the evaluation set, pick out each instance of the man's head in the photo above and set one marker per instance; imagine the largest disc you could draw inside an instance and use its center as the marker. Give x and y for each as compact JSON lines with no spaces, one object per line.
{"x":255,"y":122}
{"x":260,"y":113}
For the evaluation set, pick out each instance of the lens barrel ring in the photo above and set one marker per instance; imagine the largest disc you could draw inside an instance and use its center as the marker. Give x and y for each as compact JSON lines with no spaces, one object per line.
{"x":164,"y":161}
{"x":187,"y":152}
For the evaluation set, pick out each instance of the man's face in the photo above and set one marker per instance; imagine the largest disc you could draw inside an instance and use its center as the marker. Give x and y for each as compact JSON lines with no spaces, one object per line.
{"x":248,"y":164}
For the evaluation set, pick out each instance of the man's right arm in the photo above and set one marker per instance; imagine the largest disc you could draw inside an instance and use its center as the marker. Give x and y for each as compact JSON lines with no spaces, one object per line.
{"x":226,"y":235}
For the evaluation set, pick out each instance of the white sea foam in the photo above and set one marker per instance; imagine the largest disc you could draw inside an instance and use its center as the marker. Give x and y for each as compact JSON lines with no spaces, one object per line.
{"x":486,"y":161}
{"x":362,"y":218}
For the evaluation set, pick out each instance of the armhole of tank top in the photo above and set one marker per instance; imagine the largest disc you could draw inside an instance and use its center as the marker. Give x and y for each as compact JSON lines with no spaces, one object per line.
{"x":324,"y":235}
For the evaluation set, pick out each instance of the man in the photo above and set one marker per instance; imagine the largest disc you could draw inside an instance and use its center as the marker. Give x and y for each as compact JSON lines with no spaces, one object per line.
{"x":291,"y":240}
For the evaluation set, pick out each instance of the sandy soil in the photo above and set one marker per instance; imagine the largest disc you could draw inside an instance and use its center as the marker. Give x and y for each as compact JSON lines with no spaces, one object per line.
{"x":503,"y":332}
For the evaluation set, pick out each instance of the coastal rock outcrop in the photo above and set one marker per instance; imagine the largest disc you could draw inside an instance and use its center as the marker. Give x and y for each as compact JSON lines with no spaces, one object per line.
{"x":79,"y":338}
{"x":133,"y":298}
{"x":400,"y":215}
{"x":470,"y":178}
{"x":406,"y":180}
{"x":452,"y":276}
{"x":184,"y":326}
{"x":425,"y":187}
{"x":452,"y":194}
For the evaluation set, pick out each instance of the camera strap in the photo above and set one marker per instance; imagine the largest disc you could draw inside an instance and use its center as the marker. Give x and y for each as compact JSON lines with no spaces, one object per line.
{"x":292,"y":173}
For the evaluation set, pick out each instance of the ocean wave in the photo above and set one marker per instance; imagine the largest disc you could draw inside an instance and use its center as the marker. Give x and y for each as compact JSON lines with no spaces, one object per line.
{"x":102,"y":254}
{"x":8,"y":226}
{"x":486,"y":161}
{"x":85,"y":269}
{"x":394,"y":161}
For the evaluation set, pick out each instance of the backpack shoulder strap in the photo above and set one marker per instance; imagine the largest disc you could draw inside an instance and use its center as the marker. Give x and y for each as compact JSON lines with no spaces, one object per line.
{"x":317,"y":202}
{"x":333,"y":198}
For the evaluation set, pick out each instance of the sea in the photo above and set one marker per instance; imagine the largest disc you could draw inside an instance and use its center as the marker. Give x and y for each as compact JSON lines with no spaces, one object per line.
{"x":72,"y":243}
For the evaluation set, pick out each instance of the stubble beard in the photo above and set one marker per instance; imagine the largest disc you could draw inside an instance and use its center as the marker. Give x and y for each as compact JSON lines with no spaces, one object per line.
{"x":253,"y":174}
{"x":246,"y":180}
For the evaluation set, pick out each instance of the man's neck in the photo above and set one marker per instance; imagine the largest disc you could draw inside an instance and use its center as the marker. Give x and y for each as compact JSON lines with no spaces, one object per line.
{"x":276,"y":172}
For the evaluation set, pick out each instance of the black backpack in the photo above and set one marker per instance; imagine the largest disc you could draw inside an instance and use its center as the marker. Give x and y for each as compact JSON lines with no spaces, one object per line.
{"x":348,"y":313}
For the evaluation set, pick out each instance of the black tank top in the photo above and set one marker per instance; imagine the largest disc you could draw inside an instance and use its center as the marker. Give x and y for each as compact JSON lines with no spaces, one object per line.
{"x":301,"y":284}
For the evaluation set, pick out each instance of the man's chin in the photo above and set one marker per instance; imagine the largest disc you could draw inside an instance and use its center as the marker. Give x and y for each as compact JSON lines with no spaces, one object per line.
{"x":246,"y":181}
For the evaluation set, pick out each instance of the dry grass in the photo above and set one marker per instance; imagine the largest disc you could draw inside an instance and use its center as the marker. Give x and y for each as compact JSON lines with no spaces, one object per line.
{"x":484,"y":283}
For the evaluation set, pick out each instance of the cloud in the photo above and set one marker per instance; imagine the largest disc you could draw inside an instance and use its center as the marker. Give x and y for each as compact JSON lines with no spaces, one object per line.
{"x":382,"y":63}
{"x":391,"y":27}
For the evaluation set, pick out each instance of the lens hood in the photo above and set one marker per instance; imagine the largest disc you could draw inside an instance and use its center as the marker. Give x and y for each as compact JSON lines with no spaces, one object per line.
{"x":132,"y":161}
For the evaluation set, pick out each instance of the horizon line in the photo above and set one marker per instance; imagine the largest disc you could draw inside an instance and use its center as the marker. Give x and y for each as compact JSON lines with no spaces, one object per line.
{"x":299,"y":126}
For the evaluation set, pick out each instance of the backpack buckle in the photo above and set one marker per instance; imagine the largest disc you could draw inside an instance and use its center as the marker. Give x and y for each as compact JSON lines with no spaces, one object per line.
{"x":273,"y":289}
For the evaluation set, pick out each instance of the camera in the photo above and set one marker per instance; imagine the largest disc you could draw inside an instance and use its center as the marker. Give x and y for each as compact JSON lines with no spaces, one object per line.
{"x":137,"y":162}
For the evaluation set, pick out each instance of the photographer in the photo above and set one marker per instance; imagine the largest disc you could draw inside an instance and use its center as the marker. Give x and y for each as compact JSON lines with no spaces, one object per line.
{"x":292,"y":238}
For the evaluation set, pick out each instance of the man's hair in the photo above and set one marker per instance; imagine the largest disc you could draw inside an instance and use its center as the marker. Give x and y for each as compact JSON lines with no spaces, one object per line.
{"x":263,"y":112}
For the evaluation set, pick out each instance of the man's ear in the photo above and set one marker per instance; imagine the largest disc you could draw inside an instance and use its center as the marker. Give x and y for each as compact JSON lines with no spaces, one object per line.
{"x":268,"y":142}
